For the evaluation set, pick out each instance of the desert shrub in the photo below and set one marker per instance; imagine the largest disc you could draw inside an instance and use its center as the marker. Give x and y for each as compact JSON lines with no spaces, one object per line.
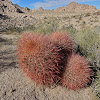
{"x":98,"y":29}
{"x":11,"y":30}
{"x":83,"y":22}
{"x":14,"y":29}
{"x":77,"y":73}
{"x":77,"y":16}
{"x":97,"y":13}
{"x":46,"y":27}
{"x":40,"y":58}
{"x":87,"y":14}
{"x":2,"y":40}
{"x":29,"y":28}
{"x":69,"y":30}
{"x":88,"y":42}
{"x":97,"y":84}
{"x":65,"y":18}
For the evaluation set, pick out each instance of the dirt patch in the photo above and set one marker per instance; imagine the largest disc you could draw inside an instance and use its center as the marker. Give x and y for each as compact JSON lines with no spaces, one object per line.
{"x":14,"y":85}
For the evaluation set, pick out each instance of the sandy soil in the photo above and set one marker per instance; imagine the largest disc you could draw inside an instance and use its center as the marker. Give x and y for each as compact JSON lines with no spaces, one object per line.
{"x":14,"y":85}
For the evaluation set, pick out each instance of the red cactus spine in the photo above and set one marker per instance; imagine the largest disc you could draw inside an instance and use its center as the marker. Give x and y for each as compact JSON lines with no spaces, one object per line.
{"x":40,"y":58}
{"x":63,"y":39}
{"x":77,"y":73}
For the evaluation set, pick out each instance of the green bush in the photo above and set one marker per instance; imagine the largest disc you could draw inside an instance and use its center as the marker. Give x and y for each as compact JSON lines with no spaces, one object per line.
{"x":13,"y":29}
{"x":46,"y":27}
{"x":97,"y":84}
{"x":89,"y":44}
{"x":69,"y":30}
{"x":29,"y":28}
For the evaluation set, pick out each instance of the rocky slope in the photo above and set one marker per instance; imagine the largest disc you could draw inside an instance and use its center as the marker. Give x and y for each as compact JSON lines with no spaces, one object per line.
{"x":12,"y":15}
{"x":6,"y":6}
{"x":75,"y":7}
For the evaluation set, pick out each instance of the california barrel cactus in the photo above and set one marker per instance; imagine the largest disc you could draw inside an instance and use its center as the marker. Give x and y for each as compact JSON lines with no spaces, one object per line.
{"x":77,"y":73}
{"x":48,"y":60}
{"x":63,"y":39}
{"x":40,"y":58}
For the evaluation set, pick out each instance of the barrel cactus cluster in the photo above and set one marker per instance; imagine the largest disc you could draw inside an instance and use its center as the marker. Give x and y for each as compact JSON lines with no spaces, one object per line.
{"x":50,"y":60}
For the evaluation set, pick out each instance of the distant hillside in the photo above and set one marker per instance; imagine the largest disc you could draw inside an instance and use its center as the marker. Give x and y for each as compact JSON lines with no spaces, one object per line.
{"x":6,"y":6}
{"x":74,"y":14}
{"x":75,"y":7}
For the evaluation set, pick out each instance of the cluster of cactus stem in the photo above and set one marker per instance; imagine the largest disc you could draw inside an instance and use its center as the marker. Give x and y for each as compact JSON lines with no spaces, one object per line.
{"x":49,"y":60}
